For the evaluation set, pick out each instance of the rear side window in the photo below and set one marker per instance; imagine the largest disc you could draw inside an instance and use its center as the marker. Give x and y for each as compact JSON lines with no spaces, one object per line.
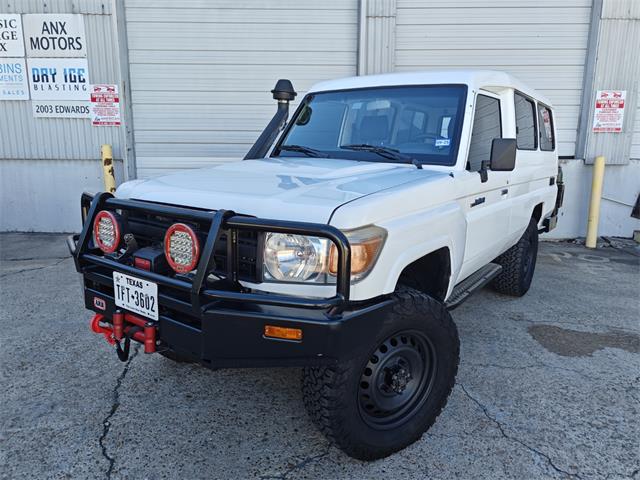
{"x":525,"y":123}
{"x":545,"y":122}
{"x":486,"y":127}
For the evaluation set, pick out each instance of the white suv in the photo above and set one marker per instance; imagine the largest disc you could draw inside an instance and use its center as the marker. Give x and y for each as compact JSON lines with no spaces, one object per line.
{"x":384,"y":203}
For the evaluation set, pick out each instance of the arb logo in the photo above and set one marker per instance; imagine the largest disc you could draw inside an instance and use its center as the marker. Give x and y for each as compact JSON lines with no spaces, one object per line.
{"x":99,"y":303}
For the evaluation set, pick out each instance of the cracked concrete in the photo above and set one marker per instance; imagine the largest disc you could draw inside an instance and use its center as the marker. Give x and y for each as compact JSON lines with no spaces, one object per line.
{"x":501,"y":428}
{"x":521,"y":409}
{"x":106,"y":423}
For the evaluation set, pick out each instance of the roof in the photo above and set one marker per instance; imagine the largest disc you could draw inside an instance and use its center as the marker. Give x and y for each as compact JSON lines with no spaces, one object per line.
{"x":475,"y":79}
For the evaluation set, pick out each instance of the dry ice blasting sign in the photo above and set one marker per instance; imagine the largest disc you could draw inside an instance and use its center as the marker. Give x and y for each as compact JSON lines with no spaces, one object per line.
{"x":608,"y":115}
{"x":105,"y":106}
{"x":11,"y":40}
{"x":54,"y":35}
{"x":59,"y":78}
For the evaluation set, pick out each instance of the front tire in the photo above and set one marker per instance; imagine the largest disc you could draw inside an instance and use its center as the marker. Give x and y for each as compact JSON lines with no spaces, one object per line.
{"x":518,"y":264}
{"x":376,"y":404}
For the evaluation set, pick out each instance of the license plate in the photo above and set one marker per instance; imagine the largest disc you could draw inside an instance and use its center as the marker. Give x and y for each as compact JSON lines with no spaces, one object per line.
{"x":136,"y":295}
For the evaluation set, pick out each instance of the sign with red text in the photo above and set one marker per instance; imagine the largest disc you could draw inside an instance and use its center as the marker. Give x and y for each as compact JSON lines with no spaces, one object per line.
{"x":609,"y":112}
{"x":105,"y":106}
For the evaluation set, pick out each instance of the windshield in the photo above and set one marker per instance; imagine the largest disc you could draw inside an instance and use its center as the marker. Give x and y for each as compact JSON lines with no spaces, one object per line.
{"x":393,"y":124}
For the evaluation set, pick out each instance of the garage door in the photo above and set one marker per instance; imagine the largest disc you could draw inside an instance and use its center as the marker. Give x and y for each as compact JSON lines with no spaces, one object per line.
{"x":201,"y":71}
{"x":543,"y":42}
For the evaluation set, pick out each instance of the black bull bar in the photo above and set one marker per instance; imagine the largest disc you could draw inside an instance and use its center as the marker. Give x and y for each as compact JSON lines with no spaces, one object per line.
{"x":220,"y":221}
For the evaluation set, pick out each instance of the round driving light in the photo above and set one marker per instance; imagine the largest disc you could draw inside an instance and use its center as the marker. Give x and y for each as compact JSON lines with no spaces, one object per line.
{"x":181,"y":247}
{"x":293,"y":258}
{"x":106,"y":231}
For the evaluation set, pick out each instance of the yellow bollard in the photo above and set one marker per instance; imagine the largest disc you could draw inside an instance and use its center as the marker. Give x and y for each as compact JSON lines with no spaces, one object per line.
{"x":594,"y":204}
{"x":107,"y":168}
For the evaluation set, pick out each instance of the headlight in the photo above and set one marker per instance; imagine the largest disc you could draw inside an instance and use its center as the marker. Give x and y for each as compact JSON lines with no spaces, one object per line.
{"x":300,"y":258}
{"x":294,"y":258}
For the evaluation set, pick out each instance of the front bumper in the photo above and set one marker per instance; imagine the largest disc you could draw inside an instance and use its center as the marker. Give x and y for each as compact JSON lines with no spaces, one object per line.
{"x":231,"y":334}
{"x":225,"y":327}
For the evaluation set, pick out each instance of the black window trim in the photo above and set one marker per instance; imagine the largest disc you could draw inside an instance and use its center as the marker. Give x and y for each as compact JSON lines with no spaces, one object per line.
{"x":497,"y":97}
{"x":475,"y":106}
{"x":536,"y":133}
{"x":275,"y":149}
{"x":553,"y":131}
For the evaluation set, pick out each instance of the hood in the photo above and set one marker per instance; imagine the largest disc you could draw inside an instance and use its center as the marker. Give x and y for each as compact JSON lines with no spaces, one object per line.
{"x":301,"y":189}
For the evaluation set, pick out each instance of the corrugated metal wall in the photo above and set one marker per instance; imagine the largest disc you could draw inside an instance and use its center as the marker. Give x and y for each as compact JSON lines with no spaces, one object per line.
{"x":617,"y":68}
{"x":46,"y":163}
{"x":201,"y":71}
{"x":24,"y":137}
{"x":543,"y":42}
{"x":377,"y":42}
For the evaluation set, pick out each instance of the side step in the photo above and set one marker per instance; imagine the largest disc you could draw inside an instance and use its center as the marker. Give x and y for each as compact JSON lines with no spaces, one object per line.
{"x":471,"y":284}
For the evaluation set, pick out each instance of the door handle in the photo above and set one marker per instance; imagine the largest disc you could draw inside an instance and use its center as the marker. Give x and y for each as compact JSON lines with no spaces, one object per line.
{"x":478,"y":201}
{"x":505,"y":191}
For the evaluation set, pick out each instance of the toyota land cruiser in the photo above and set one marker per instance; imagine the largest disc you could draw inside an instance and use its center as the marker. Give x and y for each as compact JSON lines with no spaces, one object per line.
{"x":339,"y":244}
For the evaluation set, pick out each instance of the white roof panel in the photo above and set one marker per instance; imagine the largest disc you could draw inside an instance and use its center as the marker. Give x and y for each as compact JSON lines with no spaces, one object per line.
{"x":474,"y":79}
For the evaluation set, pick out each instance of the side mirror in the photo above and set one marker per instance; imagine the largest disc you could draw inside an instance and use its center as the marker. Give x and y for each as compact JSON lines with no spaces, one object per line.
{"x":503,"y":154}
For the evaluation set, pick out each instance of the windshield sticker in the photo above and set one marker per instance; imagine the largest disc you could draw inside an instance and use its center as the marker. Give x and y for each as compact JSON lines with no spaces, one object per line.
{"x":442,"y":142}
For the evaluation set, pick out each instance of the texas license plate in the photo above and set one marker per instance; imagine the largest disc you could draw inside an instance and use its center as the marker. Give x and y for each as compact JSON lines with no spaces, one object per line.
{"x":136,"y":295}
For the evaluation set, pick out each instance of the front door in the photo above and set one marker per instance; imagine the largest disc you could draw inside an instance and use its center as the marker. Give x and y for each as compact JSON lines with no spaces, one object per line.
{"x":486,"y":204}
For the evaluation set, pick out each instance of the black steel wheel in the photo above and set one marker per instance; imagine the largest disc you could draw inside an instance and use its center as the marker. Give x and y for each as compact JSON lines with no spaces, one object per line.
{"x":396,"y":380}
{"x":383,"y":399}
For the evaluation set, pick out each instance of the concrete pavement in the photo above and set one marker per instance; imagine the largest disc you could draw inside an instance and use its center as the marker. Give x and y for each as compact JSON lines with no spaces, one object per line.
{"x":548,"y":387}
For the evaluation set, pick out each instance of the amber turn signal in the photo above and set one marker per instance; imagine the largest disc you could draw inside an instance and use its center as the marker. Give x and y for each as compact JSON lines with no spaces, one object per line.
{"x":271,"y":331}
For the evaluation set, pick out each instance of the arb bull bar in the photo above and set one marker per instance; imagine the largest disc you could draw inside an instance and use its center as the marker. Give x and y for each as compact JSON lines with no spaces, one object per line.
{"x":225,"y":327}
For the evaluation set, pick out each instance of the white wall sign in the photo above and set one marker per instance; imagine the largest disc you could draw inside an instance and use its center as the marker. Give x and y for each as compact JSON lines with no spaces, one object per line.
{"x":105,"y":106}
{"x":608,"y":115}
{"x":13,"y":79}
{"x":59,"y":78}
{"x":60,"y":109}
{"x":11,"y":40}
{"x":54,"y":35}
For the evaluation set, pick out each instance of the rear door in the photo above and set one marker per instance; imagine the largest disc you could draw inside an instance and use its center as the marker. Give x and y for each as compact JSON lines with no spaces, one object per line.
{"x":487,"y":204}
{"x":536,"y":162}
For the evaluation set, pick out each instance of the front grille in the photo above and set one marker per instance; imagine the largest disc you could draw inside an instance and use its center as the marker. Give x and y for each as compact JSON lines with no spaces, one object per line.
{"x":149,"y":230}
{"x":247,"y":256}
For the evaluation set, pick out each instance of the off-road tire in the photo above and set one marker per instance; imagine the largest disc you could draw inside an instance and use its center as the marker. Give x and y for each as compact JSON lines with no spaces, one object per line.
{"x":518,"y":264}
{"x":332,"y":394}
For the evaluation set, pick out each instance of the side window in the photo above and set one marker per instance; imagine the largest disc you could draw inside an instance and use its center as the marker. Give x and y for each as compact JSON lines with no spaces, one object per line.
{"x":486,"y":127}
{"x":545,"y":122}
{"x":525,"y":123}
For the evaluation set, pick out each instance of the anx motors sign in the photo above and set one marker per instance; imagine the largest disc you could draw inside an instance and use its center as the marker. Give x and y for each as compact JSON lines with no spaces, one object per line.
{"x":54,"y":35}
{"x":59,"y":78}
{"x":11,"y":41}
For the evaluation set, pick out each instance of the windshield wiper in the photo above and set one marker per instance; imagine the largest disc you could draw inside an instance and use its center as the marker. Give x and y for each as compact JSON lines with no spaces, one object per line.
{"x":386,"y":152}
{"x":309,"y":152}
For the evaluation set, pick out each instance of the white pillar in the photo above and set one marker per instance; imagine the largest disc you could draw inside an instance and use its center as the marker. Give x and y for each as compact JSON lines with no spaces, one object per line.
{"x":377,"y":36}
